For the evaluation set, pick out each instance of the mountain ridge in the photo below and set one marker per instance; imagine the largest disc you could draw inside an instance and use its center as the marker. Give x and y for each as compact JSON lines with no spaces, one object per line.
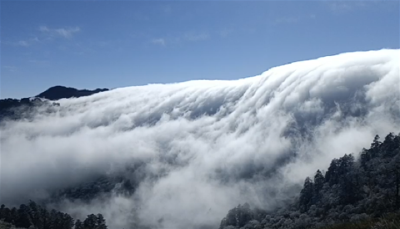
{"x":18,"y":108}
{"x":62,"y":92}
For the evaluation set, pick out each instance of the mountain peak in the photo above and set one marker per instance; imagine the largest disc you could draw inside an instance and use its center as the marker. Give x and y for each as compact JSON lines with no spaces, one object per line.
{"x":61,"y":92}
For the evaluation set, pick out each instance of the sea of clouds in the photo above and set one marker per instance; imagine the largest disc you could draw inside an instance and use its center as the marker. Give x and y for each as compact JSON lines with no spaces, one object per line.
{"x":204,"y":146}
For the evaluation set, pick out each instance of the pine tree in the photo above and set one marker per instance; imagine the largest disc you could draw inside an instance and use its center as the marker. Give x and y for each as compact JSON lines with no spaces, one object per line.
{"x":90,"y":222}
{"x":306,"y":195}
{"x":331,"y":175}
{"x":376,"y":143}
{"x":78,"y":224}
{"x":319,"y":181}
{"x":101,"y":222}
{"x":23,"y":219}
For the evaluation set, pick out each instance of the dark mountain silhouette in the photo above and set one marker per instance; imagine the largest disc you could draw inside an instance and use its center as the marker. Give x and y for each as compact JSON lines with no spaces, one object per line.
{"x":61,"y":92}
{"x":14,"y":109}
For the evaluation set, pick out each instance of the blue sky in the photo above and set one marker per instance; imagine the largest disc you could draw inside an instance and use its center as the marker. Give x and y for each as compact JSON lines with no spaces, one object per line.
{"x":92,"y":44}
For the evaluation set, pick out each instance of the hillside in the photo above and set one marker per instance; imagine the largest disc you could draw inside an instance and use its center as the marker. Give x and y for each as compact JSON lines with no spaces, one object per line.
{"x":362,"y":193}
{"x":34,"y":216}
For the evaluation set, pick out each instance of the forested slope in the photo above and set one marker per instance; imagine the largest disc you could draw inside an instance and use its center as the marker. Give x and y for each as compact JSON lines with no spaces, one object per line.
{"x":350,"y":194}
{"x":34,"y":216}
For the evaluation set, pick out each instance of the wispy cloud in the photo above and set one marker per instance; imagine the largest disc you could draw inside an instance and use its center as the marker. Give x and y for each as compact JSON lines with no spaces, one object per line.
{"x":293,"y":19}
{"x":25,"y":43}
{"x":286,"y":20}
{"x":60,"y":32}
{"x":46,"y":34}
{"x":225,"y":32}
{"x":196,"y":36}
{"x":158,"y":41}
{"x":167,"y":9}
{"x":9,"y":68}
{"x":190,"y":36}
{"x":39,"y":63}
{"x":348,"y":6}
{"x":340,"y":6}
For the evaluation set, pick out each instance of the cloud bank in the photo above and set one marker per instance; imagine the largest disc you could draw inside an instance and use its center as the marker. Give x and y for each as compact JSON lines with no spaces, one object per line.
{"x":204,"y":146}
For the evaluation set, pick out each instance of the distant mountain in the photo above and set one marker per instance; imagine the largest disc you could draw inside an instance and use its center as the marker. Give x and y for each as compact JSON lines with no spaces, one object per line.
{"x":22,"y":108}
{"x":61,"y":92}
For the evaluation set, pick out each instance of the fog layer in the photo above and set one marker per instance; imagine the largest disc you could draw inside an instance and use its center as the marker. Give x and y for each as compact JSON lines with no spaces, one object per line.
{"x":200,"y":148}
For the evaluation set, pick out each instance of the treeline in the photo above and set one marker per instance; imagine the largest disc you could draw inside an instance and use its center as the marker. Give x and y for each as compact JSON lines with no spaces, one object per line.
{"x":102,"y":185}
{"x":13,"y":109}
{"x":34,"y":216}
{"x":350,"y":191}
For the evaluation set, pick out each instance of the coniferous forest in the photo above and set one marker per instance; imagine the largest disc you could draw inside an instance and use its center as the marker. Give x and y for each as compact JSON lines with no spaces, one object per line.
{"x":352,"y":193}
{"x":35,"y":216}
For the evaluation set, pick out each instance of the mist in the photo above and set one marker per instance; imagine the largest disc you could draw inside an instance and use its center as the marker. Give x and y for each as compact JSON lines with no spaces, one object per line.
{"x":199,"y":148}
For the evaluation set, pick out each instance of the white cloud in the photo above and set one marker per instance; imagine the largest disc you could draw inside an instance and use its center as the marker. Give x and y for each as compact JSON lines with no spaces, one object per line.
{"x":26,"y":43}
{"x":47,"y":34}
{"x":39,"y":63}
{"x":225,"y":32}
{"x":286,"y":20}
{"x":167,"y":9}
{"x":9,"y":68}
{"x":191,"y":36}
{"x":205,"y":146}
{"x":23,"y":43}
{"x":292,"y":19}
{"x":158,"y":41}
{"x":196,"y":36}
{"x":44,"y":29}
{"x":340,"y":7}
{"x":67,"y":32}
